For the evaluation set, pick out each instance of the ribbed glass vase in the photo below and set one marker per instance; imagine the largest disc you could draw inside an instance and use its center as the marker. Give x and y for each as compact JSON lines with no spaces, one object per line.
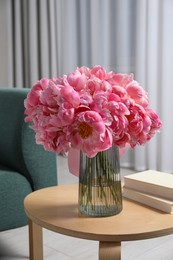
{"x":100,"y":192}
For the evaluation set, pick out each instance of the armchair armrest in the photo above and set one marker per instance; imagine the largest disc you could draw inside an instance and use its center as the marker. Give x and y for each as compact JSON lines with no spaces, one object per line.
{"x":40,"y":164}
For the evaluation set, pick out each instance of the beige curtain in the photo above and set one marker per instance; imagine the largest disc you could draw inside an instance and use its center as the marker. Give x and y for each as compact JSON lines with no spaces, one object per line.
{"x":46,"y":38}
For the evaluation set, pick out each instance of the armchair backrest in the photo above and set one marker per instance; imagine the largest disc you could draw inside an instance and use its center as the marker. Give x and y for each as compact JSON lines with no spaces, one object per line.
{"x":11,"y":120}
{"x":18,"y":150}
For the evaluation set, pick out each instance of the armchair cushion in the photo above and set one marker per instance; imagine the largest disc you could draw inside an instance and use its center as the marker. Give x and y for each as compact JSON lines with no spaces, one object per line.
{"x":13,"y":189}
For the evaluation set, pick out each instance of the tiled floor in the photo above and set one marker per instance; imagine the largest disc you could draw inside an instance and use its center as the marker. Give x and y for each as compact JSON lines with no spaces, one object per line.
{"x":14,"y":243}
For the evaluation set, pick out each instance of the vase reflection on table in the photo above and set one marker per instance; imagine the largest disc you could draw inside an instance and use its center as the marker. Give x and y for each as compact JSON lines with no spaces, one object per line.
{"x":100,"y":184}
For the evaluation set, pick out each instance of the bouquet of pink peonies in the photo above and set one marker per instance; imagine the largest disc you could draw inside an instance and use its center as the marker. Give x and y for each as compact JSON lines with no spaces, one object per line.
{"x":90,"y":110}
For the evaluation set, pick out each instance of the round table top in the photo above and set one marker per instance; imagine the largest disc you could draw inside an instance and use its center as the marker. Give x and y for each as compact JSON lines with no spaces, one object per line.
{"x":56,"y":209}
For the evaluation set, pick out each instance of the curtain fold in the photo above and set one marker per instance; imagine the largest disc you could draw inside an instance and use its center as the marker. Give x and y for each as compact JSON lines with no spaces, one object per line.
{"x":47,"y":38}
{"x":153,"y":70}
{"x":166,"y":90}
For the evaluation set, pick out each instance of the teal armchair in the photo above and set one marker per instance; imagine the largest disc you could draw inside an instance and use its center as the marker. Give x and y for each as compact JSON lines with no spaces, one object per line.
{"x":24,"y":165}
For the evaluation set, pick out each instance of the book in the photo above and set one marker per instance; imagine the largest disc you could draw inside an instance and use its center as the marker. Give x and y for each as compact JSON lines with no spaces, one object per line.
{"x":152,"y":201}
{"x":151,"y":182}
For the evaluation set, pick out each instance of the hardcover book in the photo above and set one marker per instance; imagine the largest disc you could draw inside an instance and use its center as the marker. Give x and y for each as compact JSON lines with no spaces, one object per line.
{"x":149,"y":200}
{"x":151,"y":182}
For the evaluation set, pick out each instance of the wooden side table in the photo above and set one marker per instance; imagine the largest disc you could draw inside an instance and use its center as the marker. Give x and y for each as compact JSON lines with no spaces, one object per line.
{"x":56,"y":209}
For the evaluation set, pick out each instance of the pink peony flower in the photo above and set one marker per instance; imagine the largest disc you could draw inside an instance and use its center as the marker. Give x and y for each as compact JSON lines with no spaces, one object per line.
{"x":137,"y":93}
{"x":88,"y":133}
{"x":68,"y":96}
{"x":77,"y":80}
{"x":155,"y":123}
{"x":98,"y":72}
{"x":139,"y":125}
{"x":119,"y":79}
{"x":33,"y":99}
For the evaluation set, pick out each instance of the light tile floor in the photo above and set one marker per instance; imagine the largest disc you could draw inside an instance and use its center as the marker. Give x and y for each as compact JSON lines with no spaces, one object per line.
{"x":14,"y":243}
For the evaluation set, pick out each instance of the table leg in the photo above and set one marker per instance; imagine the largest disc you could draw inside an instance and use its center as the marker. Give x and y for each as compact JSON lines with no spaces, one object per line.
{"x":109,"y":250}
{"x":35,"y":241}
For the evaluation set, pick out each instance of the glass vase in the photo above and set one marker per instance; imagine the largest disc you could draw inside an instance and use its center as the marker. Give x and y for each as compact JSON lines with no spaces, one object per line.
{"x":100,"y":191}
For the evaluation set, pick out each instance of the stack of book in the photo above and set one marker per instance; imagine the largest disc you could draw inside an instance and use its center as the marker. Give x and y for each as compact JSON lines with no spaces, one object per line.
{"x":152,"y":188}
